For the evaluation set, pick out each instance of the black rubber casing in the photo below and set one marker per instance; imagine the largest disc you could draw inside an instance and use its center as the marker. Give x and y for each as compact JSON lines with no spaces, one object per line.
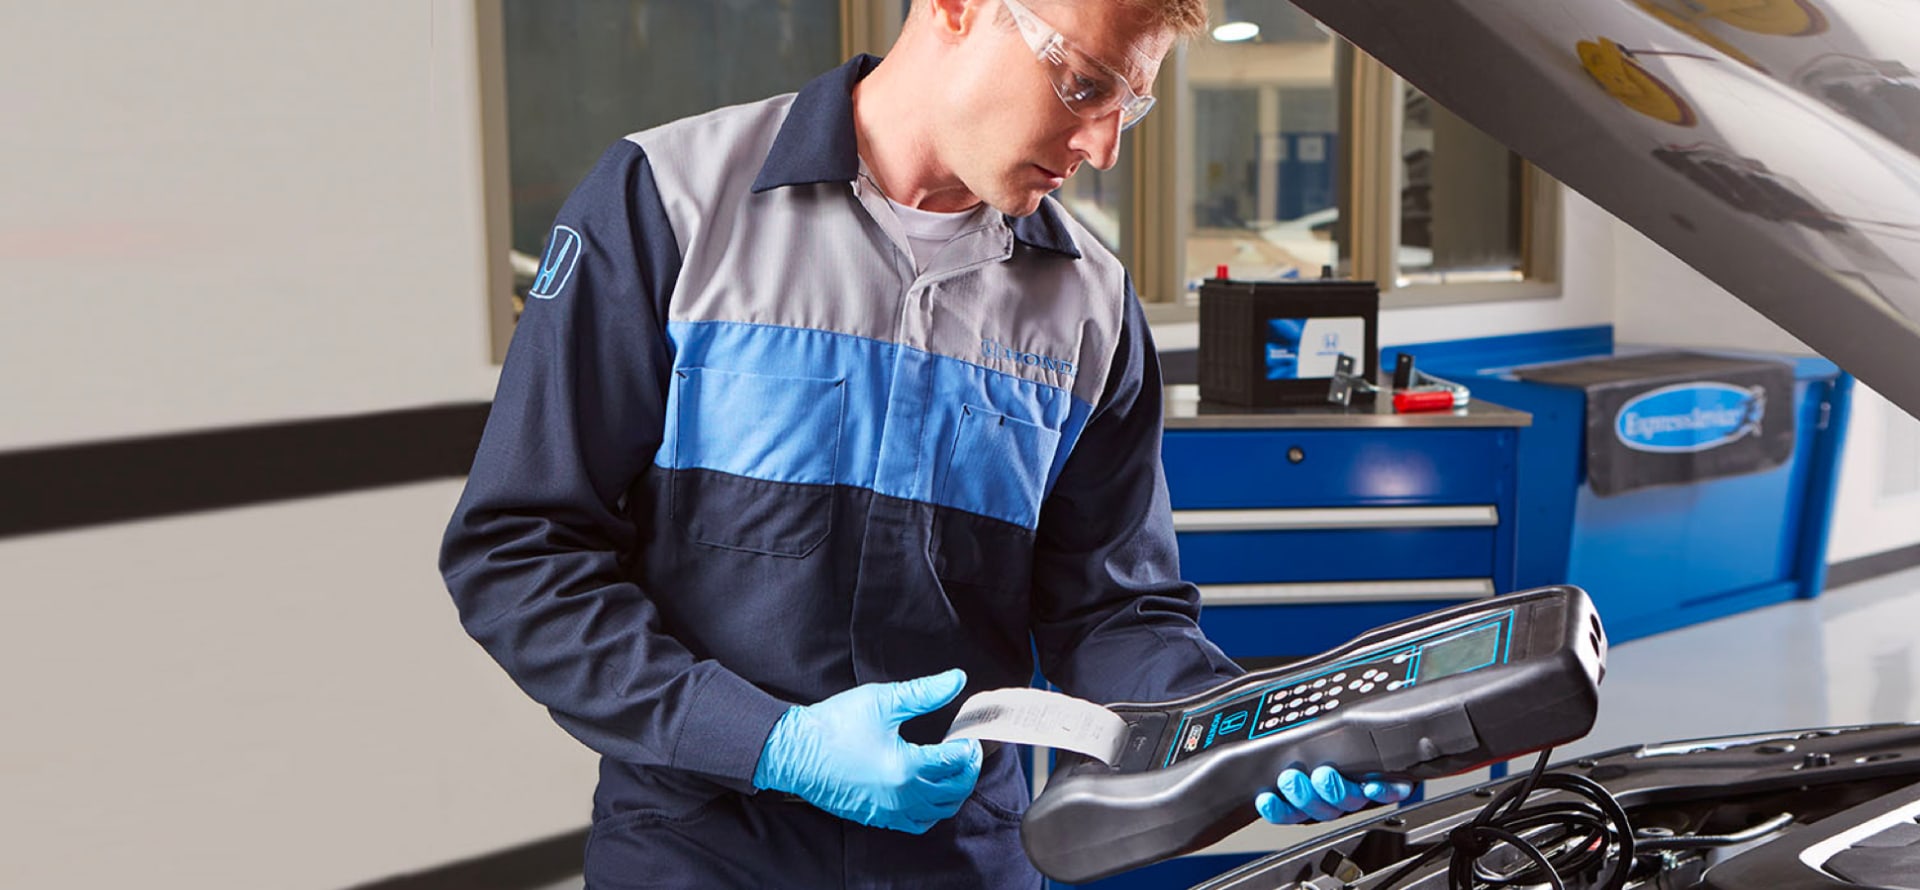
{"x":1094,"y":820}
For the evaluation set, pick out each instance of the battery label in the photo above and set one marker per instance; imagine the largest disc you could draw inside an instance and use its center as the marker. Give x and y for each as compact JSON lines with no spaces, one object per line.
{"x":1298,"y":348}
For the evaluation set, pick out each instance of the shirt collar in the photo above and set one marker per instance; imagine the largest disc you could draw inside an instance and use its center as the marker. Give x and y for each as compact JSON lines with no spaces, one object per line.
{"x":816,"y":144}
{"x":1045,"y":229}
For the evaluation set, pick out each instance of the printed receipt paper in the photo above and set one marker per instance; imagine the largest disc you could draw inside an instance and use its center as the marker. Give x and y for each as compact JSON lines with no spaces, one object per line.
{"x":1038,"y":717}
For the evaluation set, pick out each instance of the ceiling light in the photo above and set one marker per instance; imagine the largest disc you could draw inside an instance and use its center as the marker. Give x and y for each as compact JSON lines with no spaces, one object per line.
{"x":1235,"y":32}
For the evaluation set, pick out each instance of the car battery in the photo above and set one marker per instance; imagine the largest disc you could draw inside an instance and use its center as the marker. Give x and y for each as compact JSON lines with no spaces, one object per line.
{"x":1278,"y":343}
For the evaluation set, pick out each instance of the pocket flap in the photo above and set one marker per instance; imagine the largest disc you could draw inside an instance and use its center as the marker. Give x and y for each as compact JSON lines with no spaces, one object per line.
{"x":999,"y":466}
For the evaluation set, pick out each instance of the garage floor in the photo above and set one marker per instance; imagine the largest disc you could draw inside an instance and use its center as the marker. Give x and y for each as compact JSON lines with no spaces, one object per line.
{"x":1846,"y":657}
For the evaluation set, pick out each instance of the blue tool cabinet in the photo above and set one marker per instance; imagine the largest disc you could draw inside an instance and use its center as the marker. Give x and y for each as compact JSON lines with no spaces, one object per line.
{"x":1659,"y":558}
{"x":1305,"y":526}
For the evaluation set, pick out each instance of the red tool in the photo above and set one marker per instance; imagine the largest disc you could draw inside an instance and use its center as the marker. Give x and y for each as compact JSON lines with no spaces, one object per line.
{"x":1410,"y":401}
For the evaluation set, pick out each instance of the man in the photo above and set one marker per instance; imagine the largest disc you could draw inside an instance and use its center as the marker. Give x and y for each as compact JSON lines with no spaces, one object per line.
{"x":814,"y":401}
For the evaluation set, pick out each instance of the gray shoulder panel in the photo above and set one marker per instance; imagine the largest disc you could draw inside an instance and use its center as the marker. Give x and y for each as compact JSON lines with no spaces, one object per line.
{"x":813,"y":257}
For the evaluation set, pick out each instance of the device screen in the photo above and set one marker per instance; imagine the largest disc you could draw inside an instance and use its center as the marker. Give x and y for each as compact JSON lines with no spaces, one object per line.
{"x":1302,"y":698}
{"x":1469,"y":651}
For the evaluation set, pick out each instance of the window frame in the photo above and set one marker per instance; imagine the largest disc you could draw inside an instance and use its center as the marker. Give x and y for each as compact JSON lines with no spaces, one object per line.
{"x":1370,"y":114}
{"x":1155,"y":230}
{"x":490,"y":44}
{"x":1377,"y":107}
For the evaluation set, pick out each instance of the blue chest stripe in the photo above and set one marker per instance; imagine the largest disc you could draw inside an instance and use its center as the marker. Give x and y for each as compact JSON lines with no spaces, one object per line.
{"x":812,"y":407}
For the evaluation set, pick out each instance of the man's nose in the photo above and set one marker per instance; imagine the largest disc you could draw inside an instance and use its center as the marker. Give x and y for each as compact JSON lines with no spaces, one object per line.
{"x":1099,"y":140}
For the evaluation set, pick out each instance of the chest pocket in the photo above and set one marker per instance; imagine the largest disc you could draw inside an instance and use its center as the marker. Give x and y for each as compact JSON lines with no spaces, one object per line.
{"x":753,"y":459}
{"x":998,"y":466}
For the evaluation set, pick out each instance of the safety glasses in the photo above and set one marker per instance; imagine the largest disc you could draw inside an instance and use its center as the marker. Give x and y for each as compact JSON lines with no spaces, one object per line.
{"x":1089,"y":88}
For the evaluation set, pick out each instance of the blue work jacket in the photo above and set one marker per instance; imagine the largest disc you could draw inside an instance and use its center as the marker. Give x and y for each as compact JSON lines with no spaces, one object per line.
{"x":744,"y":455}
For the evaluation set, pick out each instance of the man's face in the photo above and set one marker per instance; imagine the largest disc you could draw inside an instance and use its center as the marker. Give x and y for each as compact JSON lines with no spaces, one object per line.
{"x":1006,"y":134}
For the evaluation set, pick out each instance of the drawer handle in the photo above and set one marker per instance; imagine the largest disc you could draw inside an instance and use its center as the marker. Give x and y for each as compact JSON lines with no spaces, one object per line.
{"x":1345,"y":592}
{"x":1333,"y":518}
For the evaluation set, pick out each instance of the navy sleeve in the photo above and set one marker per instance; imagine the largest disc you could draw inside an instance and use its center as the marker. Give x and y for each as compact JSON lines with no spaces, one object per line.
{"x":1112,"y":619}
{"x":534,"y":553}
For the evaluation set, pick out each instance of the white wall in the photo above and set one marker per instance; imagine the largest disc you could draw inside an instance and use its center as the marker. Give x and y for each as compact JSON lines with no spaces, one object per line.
{"x":223,"y":212}
{"x":1663,"y":300}
{"x":276,"y":696}
{"x":1869,"y":520}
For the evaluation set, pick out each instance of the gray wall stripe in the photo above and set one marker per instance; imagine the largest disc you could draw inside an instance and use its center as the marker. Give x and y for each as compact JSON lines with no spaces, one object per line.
{"x":72,"y":486}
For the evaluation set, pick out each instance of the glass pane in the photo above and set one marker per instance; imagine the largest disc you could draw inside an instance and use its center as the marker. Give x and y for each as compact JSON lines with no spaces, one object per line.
{"x":1266,"y":146}
{"x":1460,"y":200}
{"x":583,"y":73}
{"x":1102,"y":200}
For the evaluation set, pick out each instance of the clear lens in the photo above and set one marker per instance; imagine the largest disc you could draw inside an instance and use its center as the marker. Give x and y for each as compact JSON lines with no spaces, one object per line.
{"x":1089,"y":88}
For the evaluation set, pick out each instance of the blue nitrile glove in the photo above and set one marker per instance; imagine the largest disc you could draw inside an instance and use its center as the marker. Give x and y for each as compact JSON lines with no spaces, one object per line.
{"x":1328,"y":795}
{"x":845,"y":755}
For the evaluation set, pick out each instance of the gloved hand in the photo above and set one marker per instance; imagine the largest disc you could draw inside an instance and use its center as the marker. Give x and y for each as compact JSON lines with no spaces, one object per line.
{"x":845,"y":756}
{"x":1328,"y":795}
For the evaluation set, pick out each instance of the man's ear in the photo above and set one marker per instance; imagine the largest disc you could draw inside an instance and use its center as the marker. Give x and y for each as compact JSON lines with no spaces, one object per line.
{"x":956,"y":18}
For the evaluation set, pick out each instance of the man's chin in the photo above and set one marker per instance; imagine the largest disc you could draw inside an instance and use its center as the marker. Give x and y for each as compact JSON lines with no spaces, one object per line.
{"x":1023,"y":204}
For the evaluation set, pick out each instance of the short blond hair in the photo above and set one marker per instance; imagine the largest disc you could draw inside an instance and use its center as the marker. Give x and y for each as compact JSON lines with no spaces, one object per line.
{"x":1184,"y":18}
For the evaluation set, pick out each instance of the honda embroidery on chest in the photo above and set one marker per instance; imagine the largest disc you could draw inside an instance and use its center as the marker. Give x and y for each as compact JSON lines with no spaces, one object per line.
{"x":997,"y":351}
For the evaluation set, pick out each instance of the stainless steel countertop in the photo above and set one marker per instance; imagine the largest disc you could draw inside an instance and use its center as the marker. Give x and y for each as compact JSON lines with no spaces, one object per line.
{"x":1186,"y":411}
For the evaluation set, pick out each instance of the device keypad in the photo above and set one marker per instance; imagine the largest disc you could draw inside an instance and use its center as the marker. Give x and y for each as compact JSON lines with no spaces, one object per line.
{"x":1289,"y":705}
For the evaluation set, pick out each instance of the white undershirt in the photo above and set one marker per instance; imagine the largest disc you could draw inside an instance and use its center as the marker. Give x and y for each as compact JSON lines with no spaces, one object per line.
{"x":928,"y":231}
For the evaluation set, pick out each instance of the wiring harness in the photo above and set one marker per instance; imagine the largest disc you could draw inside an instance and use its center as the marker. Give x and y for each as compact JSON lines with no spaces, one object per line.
{"x":1577,"y":834}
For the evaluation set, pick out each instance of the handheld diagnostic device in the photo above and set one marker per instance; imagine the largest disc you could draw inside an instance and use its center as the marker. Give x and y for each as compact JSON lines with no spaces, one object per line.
{"x":1430,"y":696}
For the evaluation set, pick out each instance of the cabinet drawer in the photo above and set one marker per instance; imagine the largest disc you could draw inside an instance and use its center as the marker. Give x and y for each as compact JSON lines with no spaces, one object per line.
{"x":1216,"y":469}
{"x":1289,"y":632}
{"x":1281,"y":556}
